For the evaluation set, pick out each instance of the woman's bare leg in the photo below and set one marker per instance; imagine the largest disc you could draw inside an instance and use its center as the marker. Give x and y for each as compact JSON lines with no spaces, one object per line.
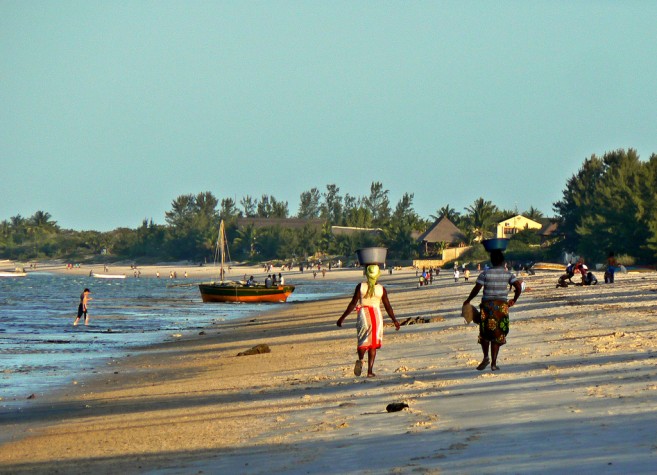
{"x":371,"y":355}
{"x":485,"y":361}
{"x":494,"y":350}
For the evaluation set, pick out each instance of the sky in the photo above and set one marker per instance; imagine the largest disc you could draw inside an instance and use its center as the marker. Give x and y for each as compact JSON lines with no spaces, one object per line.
{"x":110,"y":110}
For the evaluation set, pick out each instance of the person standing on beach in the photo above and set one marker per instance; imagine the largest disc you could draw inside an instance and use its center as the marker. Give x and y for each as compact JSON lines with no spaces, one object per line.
{"x":369,"y":325}
{"x":82,"y":308}
{"x":494,"y":325}
{"x":611,"y":269}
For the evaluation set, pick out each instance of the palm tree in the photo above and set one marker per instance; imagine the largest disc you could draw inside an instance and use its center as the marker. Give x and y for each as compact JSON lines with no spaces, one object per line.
{"x":17,"y":229}
{"x":41,"y":219}
{"x":246,"y":240}
{"x":533,"y":213}
{"x":481,"y":217}
{"x":448,"y":212}
{"x":39,"y":224}
{"x":440,"y":248}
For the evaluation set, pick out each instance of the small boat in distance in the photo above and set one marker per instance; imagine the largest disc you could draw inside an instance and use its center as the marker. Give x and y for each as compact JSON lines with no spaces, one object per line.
{"x":238,"y":291}
{"x":4,"y":273}
{"x":107,"y":276}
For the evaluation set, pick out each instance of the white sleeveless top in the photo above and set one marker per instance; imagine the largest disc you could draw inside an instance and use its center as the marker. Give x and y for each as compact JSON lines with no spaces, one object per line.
{"x":375,"y":299}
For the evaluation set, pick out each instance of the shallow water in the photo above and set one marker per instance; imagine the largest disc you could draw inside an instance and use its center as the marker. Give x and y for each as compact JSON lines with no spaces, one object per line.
{"x":40,"y":349}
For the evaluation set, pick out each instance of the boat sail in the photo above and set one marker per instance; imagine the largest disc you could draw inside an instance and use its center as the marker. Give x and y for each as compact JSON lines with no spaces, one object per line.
{"x":238,"y":291}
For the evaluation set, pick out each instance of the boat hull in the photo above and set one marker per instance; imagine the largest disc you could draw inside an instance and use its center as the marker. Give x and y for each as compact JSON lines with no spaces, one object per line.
{"x":12,"y":274}
{"x":241,"y":293}
{"x":108,"y":276}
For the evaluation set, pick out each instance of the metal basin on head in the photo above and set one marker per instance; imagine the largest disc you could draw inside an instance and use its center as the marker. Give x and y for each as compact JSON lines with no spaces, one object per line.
{"x":372,"y":255}
{"x":496,"y":244}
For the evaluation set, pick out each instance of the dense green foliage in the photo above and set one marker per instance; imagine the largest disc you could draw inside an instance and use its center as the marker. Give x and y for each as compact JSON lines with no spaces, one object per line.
{"x":609,"y":205}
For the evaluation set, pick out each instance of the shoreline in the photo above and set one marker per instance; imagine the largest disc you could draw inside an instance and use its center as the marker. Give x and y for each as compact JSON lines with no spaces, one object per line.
{"x":193,"y":405}
{"x":14,"y":402}
{"x":209,"y":271}
{"x":14,"y":405}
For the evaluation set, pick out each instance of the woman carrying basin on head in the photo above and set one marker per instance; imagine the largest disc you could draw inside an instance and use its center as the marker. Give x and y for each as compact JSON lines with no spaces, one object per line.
{"x":494,"y":326}
{"x":367,"y":300}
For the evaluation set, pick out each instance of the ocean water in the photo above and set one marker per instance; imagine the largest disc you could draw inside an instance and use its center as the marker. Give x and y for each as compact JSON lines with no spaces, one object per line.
{"x":41,"y":350}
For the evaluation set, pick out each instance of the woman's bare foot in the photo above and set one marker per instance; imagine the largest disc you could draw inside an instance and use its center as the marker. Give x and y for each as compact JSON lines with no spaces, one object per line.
{"x":371,"y":375}
{"x":494,"y":367}
{"x":483,"y":364}
{"x":358,"y":367}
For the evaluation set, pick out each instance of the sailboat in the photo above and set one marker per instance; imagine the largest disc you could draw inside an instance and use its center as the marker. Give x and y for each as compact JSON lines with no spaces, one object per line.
{"x":238,"y":291}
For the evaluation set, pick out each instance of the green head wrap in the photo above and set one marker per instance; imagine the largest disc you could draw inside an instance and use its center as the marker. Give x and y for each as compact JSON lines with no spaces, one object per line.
{"x":372,"y":273}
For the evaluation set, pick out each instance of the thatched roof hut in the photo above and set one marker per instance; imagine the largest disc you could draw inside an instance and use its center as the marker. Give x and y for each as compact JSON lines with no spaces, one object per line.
{"x":442,"y":230}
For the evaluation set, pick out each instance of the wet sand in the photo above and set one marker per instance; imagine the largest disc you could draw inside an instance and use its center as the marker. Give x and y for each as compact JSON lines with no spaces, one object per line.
{"x":576,"y":392}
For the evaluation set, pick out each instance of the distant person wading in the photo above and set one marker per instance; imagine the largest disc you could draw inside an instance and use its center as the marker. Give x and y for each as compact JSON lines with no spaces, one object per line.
{"x":82,"y":307}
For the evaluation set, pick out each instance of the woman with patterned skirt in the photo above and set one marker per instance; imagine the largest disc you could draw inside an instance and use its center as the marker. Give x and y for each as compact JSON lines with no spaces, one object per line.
{"x":494,"y":326}
{"x":367,"y":300}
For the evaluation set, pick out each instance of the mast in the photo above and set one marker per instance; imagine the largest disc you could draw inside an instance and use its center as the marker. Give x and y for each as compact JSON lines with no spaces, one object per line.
{"x":222,"y":246}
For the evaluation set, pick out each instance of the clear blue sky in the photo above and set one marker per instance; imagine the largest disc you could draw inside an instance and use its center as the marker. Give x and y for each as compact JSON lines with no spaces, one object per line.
{"x":109,"y":110}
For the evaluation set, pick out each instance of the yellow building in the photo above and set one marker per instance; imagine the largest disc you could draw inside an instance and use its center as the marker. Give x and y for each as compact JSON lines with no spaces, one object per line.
{"x":515,"y":224}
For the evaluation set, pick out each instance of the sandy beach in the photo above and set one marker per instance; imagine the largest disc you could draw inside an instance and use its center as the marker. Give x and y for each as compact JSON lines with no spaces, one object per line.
{"x":576,"y":392}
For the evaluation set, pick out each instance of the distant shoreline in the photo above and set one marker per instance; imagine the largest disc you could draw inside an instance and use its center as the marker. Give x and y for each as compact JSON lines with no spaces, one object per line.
{"x":205,"y":272}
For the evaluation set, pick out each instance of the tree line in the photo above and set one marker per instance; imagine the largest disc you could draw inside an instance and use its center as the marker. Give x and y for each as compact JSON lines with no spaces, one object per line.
{"x":610,"y":204}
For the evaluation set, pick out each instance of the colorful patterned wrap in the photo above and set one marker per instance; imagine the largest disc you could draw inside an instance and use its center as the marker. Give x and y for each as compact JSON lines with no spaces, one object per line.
{"x":494,"y":324}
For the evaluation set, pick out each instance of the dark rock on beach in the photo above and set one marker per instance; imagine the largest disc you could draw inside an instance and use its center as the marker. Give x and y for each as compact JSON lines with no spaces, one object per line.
{"x":396,"y":406}
{"x":256,"y":350}
{"x":416,"y":320}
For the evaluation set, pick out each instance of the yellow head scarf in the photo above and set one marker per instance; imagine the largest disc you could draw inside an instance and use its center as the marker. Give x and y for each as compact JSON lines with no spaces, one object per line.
{"x":372,"y":273}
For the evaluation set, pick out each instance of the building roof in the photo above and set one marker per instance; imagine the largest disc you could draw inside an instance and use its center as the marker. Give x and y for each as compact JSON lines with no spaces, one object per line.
{"x":282,"y":222}
{"x":509,"y":218}
{"x":349,"y":230}
{"x":549,"y":229}
{"x":442,"y":230}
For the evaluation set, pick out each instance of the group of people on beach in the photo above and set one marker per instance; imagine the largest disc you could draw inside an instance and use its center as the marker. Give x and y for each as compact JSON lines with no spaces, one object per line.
{"x":493,"y":323}
{"x":494,"y":307}
{"x":577,"y":268}
{"x":587,"y":277}
{"x":426,"y":276}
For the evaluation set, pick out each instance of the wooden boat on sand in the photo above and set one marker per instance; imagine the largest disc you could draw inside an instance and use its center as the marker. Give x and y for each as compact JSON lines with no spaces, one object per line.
{"x":238,"y":291}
